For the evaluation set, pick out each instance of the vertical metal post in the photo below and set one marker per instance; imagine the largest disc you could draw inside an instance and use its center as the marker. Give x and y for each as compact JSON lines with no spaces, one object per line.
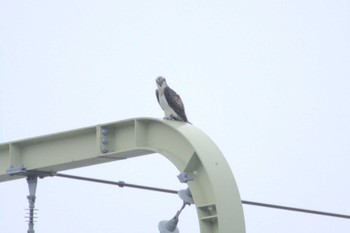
{"x":32,"y":183}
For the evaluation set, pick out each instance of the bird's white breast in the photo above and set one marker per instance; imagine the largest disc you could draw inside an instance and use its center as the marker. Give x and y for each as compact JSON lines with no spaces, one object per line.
{"x":168,"y":111}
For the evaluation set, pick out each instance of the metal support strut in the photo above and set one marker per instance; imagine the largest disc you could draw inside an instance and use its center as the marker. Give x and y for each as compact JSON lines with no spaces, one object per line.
{"x":32,"y":181}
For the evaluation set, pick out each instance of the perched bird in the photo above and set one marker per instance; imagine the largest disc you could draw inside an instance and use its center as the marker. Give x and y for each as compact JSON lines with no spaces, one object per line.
{"x":170,"y":101}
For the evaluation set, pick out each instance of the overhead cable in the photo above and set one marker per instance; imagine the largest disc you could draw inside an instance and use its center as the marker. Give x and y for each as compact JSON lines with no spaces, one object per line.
{"x":124,"y":184}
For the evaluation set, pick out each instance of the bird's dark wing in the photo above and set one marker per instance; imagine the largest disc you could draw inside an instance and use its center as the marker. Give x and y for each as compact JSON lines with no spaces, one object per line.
{"x":175,"y":102}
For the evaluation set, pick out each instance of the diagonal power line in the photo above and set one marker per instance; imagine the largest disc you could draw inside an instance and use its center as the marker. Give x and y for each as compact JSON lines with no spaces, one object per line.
{"x":122,"y":184}
{"x":295,"y":209}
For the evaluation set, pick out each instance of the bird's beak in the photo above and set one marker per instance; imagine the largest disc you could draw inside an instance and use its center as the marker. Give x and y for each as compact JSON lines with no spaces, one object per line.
{"x":159,"y":81}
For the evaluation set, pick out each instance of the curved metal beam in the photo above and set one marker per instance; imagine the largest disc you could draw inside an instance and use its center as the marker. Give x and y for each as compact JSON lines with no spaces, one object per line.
{"x":213,"y":187}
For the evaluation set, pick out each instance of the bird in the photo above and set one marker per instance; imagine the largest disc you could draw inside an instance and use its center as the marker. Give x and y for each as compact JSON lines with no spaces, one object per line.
{"x":170,"y":101}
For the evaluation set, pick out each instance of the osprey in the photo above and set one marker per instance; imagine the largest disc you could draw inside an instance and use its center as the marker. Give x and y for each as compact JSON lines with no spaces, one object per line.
{"x":170,"y":101}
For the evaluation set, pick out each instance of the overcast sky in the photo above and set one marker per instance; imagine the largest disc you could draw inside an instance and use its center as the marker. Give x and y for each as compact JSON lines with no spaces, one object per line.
{"x":268,"y":81}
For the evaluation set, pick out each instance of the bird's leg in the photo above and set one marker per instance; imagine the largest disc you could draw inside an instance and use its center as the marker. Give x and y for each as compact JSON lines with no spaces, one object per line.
{"x":172,"y":117}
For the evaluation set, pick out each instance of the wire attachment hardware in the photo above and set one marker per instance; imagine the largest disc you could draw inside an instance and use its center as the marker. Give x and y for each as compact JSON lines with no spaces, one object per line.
{"x":184,"y":177}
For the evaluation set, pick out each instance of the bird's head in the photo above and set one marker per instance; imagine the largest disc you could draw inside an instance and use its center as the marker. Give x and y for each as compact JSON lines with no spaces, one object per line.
{"x":161,"y":82}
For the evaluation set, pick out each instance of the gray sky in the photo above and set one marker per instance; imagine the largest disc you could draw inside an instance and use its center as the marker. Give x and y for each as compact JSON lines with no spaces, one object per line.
{"x":268,"y":81}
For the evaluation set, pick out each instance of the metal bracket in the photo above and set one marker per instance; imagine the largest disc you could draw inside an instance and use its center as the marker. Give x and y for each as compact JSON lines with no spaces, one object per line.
{"x":19,"y":170}
{"x":22,"y":171}
{"x":184,"y":177}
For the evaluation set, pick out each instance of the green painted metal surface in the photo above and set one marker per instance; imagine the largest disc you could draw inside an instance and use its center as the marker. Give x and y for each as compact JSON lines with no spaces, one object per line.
{"x":213,"y":188}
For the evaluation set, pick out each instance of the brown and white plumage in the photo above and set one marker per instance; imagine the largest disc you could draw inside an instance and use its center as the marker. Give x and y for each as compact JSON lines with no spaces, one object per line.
{"x":170,"y":101}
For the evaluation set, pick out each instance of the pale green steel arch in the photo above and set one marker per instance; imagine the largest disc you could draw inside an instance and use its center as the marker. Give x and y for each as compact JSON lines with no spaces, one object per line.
{"x":213,"y":188}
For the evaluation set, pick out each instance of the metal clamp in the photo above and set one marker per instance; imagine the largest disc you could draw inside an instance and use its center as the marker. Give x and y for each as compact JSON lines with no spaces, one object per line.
{"x":184,"y":177}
